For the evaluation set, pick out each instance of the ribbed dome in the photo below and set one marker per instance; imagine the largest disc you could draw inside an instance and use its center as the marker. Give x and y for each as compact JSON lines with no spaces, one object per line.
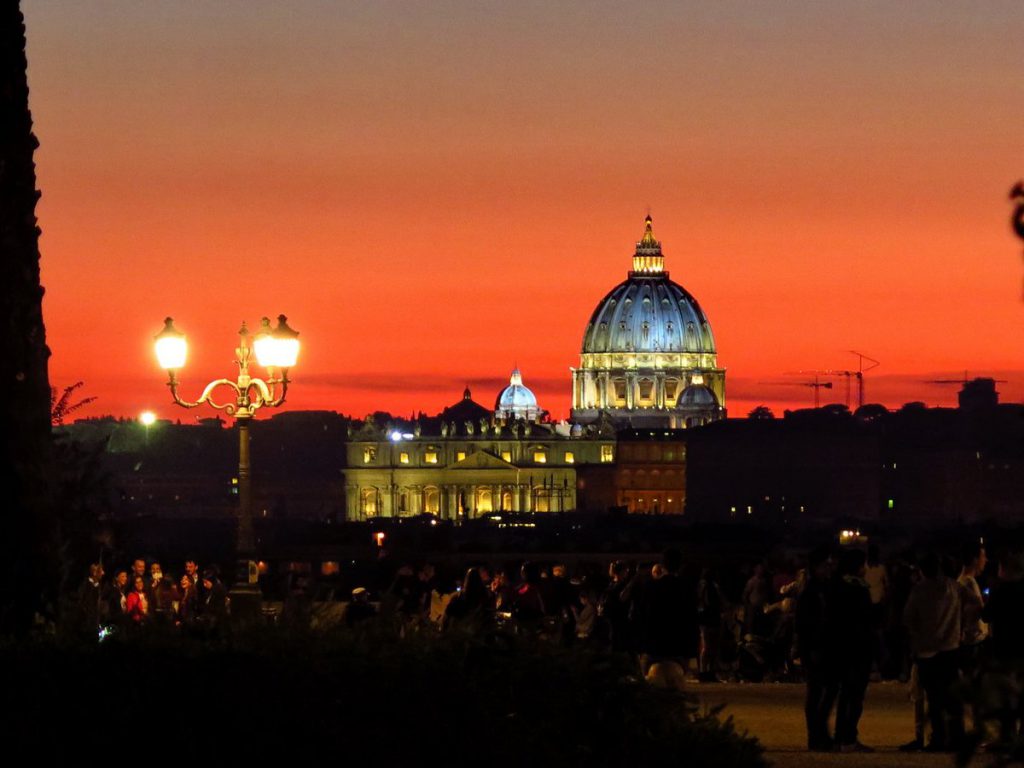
{"x":516,"y":400}
{"x":648,"y":357}
{"x":648,"y":313}
{"x":697,"y":396}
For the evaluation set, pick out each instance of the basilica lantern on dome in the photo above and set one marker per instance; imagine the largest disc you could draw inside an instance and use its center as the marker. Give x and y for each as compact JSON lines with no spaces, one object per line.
{"x":648,"y":356}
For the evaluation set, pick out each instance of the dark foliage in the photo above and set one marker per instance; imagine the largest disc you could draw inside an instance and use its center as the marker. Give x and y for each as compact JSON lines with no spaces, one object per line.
{"x":61,"y":406}
{"x":366,"y":697}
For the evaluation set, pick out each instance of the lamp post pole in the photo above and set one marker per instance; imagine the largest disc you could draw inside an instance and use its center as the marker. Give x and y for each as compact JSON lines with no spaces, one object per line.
{"x":276,"y":349}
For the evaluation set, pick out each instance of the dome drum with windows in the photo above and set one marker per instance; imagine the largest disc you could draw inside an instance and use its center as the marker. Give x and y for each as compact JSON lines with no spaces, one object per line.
{"x":648,"y":356}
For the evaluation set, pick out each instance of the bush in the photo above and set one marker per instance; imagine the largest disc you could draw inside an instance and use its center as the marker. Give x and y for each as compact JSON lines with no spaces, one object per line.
{"x":368,"y":697}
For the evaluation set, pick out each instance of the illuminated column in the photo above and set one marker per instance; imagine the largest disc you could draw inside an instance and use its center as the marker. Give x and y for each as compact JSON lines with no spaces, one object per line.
{"x":630,"y":387}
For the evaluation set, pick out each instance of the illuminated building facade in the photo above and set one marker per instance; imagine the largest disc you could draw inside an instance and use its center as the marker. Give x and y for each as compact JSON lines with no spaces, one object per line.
{"x":461,"y":468}
{"x":648,"y":357}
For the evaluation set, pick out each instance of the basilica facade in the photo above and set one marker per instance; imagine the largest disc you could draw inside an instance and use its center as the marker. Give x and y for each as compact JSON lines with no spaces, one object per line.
{"x":466,"y":463}
{"x":648,"y":357}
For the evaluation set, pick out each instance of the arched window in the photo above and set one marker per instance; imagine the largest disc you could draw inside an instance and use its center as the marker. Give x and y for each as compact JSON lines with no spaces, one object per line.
{"x":368,"y":498}
{"x":431,"y":500}
{"x":484,"y":501}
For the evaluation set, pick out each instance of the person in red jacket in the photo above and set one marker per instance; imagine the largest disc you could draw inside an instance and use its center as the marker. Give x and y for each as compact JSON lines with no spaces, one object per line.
{"x":137,"y":602}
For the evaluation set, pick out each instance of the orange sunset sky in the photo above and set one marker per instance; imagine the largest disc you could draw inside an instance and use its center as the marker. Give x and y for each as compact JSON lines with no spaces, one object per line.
{"x":435,"y":191}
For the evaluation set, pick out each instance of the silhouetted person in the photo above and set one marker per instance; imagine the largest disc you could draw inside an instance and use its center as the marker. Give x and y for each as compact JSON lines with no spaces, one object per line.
{"x":709,"y":618}
{"x":813,"y":650}
{"x":527,"y":602}
{"x":670,"y":636}
{"x":1004,"y":613}
{"x":615,"y":609}
{"x":973,"y":629}
{"x":91,"y":607}
{"x":467,"y":609}
{"x":932,"y":619}
{"x":848,"y":641}
{"x":116,"y":598}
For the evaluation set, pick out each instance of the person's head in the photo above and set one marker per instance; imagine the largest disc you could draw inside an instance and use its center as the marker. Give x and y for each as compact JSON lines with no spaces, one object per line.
{"x":121,"y":579}
{"x":852,"y":562}
{"x":209,"y":577}
{"x":155,"y":570}
{"x":191,"y":567}
{"x":426,"y":572}
{"x":974,"y":557}
{"x":186,"y":582}
{"x":558,"y":571}
{"x":617,"y":570}
{"x":96,"y":572}
{"x":472,"y":584}
{"x":485,"y":573}
{"x":139,"y":567}
{"x":360,"y":595}
{"x":672,"y":560}
{"x":139,"y":584}
{"x":657,"y":571}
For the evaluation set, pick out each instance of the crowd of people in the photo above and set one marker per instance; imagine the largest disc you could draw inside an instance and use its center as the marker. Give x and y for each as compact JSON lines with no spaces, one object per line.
{"x":147,"y":596}
{"x":836,"y":621}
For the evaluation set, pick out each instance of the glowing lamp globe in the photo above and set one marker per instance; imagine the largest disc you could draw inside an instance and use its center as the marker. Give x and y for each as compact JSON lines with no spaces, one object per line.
{"x":147,"y":418}
{"x":277,"y":348}
{"x":171,"y":349}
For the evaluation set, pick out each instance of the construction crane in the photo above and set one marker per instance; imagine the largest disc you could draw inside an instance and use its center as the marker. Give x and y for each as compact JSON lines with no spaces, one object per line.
{"x":859,"y":374}
{"x":965,"y":380}
{"x":816,"y":384}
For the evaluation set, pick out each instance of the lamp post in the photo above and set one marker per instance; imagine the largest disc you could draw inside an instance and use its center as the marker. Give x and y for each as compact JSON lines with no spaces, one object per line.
{"x":276,"y":350}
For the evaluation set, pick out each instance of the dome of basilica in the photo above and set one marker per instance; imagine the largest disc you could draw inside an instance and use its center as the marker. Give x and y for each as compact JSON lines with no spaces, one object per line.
{"x":648,"y":350}
{"x":647,"y":312}
{"x":516,"y":401}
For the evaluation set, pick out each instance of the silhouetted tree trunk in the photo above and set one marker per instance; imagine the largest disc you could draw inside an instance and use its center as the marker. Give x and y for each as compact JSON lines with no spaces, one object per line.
{"x":27,"y":559}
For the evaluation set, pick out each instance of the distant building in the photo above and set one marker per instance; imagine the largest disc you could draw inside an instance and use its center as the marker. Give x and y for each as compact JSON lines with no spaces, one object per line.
{"x":650,"y":473}
{"x":648,"y":357}
{"x":516,"y":401}
{"x":464,"y":464}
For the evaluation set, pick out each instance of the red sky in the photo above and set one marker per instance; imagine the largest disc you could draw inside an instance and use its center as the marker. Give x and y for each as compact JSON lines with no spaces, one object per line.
{"x":433,"y":192}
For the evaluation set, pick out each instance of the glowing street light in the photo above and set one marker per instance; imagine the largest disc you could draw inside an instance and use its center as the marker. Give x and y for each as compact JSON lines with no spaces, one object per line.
{"x":147,"y":419}
{"x":277,"y":350}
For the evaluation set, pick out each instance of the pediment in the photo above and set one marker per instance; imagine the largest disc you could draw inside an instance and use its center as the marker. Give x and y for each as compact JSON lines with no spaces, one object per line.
{"x":482,"y":460}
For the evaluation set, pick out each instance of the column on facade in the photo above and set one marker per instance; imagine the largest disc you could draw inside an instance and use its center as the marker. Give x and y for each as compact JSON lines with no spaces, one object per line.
{"x":631,"y":385}
{"x":659,"y":389}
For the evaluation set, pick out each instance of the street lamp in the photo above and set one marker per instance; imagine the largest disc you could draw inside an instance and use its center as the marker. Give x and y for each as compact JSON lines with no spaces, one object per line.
{"x":147,"y":419}
{"x":276,"y":350}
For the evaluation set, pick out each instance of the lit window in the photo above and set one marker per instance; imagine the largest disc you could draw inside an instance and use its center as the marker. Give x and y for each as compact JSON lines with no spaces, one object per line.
{"x":892,"y":503}
{"x":369,"y":455}
{"x":569,"y":457}
{"x":460,"y":455}
{"x":506,"y":456}
{"x":540,"y":457}
{"x":328,"y":568}
{"x":403,"y":457}
{"x":430,"y":457}
{"x":607,"y":453}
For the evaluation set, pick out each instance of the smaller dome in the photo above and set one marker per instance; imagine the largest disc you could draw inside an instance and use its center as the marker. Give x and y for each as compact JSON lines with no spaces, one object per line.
{"x":516,"y":401}
{"x":697,"y":396}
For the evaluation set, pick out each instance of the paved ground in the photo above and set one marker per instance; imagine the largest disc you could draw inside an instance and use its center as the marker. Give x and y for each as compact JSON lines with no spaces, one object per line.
{"x":774,"y":713}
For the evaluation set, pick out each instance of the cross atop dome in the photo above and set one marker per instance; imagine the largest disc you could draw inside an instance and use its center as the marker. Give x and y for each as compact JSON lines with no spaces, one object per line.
{"x":648,"y":258}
